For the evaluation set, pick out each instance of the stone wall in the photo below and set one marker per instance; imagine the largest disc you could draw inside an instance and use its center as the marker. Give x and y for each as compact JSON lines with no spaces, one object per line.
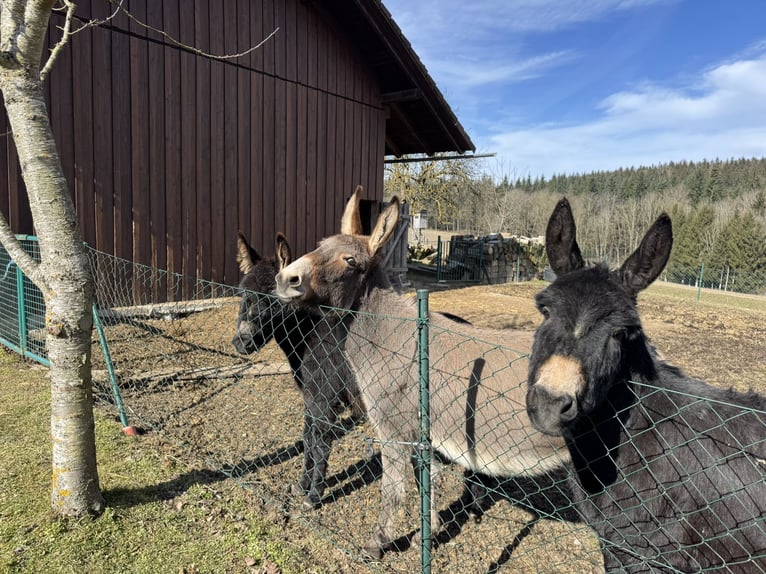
{"x":504,"y":259}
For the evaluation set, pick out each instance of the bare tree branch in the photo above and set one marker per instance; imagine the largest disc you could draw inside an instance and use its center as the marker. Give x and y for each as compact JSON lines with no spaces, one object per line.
{"x":11,"y":17}
{"x":192,"y":48}
{"x":70,"y":8}
{"x":7,"y":60}
{"x":26,"y":263}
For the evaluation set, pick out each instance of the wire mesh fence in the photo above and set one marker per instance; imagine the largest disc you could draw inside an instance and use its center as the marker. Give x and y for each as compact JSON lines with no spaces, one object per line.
{"x":709,"y":279}
{"x":22,"y":309}
{"x":244,"y":417}
{"x":692,"y":471}
{"x":249,"y":388}
{"x":470,"y":259}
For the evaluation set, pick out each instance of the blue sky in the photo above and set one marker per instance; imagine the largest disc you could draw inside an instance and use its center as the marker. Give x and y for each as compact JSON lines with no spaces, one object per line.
{"x":574,"y":86}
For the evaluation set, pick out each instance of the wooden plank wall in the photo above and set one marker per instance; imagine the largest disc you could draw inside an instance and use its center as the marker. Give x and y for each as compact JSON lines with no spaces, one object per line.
{"x":168,"y":152}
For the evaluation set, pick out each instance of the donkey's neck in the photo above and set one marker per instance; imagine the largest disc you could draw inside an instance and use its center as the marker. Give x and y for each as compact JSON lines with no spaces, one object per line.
{"x":379,"y":297}
{"x":595,"y":440}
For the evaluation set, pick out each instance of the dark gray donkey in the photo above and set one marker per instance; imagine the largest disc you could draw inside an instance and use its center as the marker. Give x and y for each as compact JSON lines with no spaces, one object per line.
{"x":312,"y":344}
{"x":670,"y":472}
{"x":478,"y":415}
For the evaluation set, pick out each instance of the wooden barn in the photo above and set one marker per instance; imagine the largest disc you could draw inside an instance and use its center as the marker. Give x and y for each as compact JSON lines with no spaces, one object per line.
{"x":169,"y":149}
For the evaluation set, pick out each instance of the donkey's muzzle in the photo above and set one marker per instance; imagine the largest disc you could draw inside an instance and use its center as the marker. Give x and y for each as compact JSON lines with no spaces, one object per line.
{"x":550,"y":412}
{"x":291,"y":282}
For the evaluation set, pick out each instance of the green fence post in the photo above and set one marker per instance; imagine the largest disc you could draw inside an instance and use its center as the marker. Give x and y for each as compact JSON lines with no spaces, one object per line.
{"x":481,"y":262}
{"x":699,"y":281}
{"x":126,"y":428}
{"x":438,"y":258}
{"x":21,"y":311}
{"x":424,"y":442}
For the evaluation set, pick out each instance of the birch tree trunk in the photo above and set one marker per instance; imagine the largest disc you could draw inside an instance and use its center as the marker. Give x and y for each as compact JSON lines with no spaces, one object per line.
{"x":63,"y":275}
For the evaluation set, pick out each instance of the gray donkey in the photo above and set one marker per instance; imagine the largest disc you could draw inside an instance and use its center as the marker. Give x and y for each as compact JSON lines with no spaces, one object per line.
{"x":477,"y":383}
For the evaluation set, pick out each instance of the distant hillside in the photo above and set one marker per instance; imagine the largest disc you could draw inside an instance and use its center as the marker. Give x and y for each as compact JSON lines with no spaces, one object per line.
{"x":718,"y":210}
{"x":707,"y":181}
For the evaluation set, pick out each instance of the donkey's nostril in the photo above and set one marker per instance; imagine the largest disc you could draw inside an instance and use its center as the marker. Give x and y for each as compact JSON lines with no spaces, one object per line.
{"x":568,"y":408}
{"x":294,"y":281}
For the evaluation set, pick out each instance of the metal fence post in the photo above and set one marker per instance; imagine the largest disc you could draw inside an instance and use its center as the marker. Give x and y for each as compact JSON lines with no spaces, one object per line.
{"x":481,"y":262}
{"x":438,"y":259}
{"x":699,"y":282}
{"x":21,"y":311}
{"x":424,"y":442}
{"x":126,"y":428}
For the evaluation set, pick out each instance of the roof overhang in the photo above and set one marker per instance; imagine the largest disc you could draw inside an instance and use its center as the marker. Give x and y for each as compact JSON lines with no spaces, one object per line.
{"x":418,"y":118}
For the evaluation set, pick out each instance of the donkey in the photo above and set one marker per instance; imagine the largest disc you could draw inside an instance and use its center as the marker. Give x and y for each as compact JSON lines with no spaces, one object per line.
{"x":477,"y":387}
{"x":312,"y":346}
{"x":669,"y":471}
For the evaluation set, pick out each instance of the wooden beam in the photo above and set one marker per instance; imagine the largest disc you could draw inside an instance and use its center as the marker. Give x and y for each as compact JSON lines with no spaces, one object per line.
{"x":438,"y":158}
{"x":401,"y":96}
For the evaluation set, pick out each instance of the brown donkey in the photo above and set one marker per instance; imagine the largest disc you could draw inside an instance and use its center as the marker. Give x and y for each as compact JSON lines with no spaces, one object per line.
{"x":477,"y":376}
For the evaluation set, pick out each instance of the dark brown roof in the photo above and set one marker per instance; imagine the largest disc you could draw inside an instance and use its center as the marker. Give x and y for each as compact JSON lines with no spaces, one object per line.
{"x":419,"y":118}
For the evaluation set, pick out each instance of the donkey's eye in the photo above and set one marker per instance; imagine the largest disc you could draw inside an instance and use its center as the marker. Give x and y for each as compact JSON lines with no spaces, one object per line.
{"x":350,"y":261}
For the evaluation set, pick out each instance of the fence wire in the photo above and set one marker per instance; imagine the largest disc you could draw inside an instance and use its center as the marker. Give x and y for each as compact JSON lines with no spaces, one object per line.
{"x":244,"y":416}
{"x":21,"y":325}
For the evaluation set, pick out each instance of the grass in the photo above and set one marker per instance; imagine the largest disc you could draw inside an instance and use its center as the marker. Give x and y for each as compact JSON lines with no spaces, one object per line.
{"x":161,"y":517}
{"x":712,"y":297}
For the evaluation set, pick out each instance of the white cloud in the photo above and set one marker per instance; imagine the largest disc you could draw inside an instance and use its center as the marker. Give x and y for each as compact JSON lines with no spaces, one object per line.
{"x":423,"y":18}
{"x":722,"y":116}
{"x":468,"y":44}
{"x":731,"y":92}
{"x":471,"y":72}
{"x":474,"y":50}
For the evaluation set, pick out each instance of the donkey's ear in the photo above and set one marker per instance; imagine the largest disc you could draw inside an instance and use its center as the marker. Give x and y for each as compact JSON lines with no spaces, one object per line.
{"x":560,"y":244}
{"x":647,"y":262}
{"x":247,"y":257}
{"x":385,"y":226}
{"x":351,"y":222}
{"x":284,"y":255}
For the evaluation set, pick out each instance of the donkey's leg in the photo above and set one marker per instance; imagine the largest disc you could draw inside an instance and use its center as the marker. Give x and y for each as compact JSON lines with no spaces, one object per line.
{"x":318,"y":415}
{"x":394,"y":459}
{"x":304,"y":482}
{"x":322,"y":437}
{"x":323,"y":400}
{"x":478,"y":493}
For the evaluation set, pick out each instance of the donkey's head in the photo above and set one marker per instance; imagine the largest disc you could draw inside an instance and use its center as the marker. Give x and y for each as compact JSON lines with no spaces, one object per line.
{"x":591,"y":335}
{"x":259,"y":313}
{"x":340,"y":270}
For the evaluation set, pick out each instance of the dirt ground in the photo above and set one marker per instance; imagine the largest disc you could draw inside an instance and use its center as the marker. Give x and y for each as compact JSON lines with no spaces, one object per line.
{"x":242,"y":418}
